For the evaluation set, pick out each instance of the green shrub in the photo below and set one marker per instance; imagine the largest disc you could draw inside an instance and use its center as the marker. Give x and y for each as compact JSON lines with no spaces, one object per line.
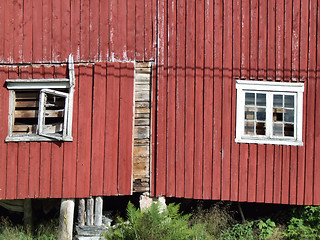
{"x":153,"y":224}
{"x":305,"y":223}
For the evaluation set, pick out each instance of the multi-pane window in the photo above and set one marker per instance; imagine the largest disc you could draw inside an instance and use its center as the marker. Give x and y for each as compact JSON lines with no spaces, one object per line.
{"x":41,"y":109}
{"x":269,"y":112}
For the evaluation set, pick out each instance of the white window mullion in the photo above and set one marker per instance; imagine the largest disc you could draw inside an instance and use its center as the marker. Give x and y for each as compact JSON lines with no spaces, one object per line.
{"x":269,"y":114}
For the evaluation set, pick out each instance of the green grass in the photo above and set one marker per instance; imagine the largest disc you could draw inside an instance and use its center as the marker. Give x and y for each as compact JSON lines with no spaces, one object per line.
{"x":43,"y":231}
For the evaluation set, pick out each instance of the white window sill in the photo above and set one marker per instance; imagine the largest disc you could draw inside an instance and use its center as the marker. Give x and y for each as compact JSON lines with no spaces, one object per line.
{"x":36,"y":138}
{"x":270,"y":141}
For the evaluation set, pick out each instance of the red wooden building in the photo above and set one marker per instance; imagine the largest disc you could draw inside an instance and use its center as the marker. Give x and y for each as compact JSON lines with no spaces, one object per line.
{"x":200,"y":142}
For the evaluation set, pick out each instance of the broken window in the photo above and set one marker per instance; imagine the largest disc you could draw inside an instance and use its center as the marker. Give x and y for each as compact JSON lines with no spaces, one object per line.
{"x":269,"y":112}
{"x":41,"y":109}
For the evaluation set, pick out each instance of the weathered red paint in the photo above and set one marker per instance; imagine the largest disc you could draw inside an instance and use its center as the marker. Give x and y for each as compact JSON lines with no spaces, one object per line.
{"x":74,"y":169}
{"x":200,"y":48}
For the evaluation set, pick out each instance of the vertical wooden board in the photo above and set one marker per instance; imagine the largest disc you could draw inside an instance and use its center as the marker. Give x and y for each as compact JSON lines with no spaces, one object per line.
{"x":287,"y":39}
{"x":171,"y":101}
{"x":296,"y":12}
{"x":245,"y":38}
{"x":261,"y":173}
{"x":235,"y":151}
{"x":70,"y":149}
{"x":180,"y":98}
{"x":269,"y":173}
{"x":304,"y":39}
{"x":57,"y":153}
{"x":65,"y":30}
{"x":190,"y":98}
{"x":12,"y":169}
{"x":34,"y":171}
{"x":126,"y":129}
{"x":12,"y":155}
{"x":153,"y":131}
{"x":104,"y":30}
{"x":94,"y":37}
{"x":46,"y":30}
{"x":37,"y":16}
{"x":271,"y":60}
{"x":4,"y":107}
{"x":84,"y":131}
{"x":302,"y":153}
{"x":279,"y":15}
{"x":98,"y":126}
{"x":243,"y":172}
{"x":217,"y":99}
{"x":161,"y":101}
{"x":27,"y":31}
{"x":140,"y":11}
{"x":254,"y":38}
{"x":23,"y":152}
{"x":17,"y":31}
{"x":310,"y":62}
{"x":122,"y":31}
{"x":316,"y":194}
{"x":252,"y":173}
{"x":113,"y":29}
{"x":8,"y":33}
{"x":199,"y":71}
{"x":226,"y":101}
{"x":208,"y":101}
{"x":2,"y":29}
{"x":75,"y":29}
{"x":277,"y":174}
{"x":309,"y":141}
{"x":23,"y":170}
{"x":45,"y":169}
{"x":84,"y":30}
{"x":131,"y":29}
{"x":263,"y":24}
{"x":112,"y":126}
{"x":285,"y":180}
{"x":293,"y":175}
{"x":148,"y":54}
{"x":46,"y":154}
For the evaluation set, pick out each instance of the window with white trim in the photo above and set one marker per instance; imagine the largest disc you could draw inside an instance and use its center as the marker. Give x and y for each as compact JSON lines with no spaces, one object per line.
{"x":41,"y":109}
{"x":269,"y":112}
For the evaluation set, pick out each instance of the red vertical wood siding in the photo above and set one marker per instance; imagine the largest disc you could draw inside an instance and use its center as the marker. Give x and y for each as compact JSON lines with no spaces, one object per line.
{"x":200,"y":48}
{"x":261,"y":40}
{"x":74,"y":169}
{"x":35,"y":31}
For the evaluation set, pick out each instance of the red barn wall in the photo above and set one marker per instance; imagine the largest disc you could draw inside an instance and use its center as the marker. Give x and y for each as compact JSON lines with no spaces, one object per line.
{"x":98,"y":161}
{"x":92,"y":30}
{"x":204,"y":46}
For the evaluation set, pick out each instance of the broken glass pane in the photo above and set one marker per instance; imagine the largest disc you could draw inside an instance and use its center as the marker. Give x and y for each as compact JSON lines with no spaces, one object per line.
{"x":289,"y":130}
{"x":261,"y":128}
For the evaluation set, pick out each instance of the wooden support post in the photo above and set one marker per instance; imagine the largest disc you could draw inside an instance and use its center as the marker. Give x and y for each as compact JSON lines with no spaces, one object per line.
{"x":90,"y":206}
{"x":66,"y":219}
{"x":81,"y":212}
{"x":27,"y":212}
{"x":98,"y":211}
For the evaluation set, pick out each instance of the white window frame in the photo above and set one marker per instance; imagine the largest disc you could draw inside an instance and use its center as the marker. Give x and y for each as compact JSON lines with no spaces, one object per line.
{"x":269,"y":88}
{"x":62,"y":87}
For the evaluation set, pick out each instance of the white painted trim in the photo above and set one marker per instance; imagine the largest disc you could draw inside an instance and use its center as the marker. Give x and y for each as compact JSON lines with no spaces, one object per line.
{"x":45,"y":86}
{"x":270,"y":88}
{"x":25,"y":84}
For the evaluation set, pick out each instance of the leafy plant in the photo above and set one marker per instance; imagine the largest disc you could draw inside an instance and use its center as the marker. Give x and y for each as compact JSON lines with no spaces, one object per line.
{"x":305,"y":224}
{"x":153,"y":224}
